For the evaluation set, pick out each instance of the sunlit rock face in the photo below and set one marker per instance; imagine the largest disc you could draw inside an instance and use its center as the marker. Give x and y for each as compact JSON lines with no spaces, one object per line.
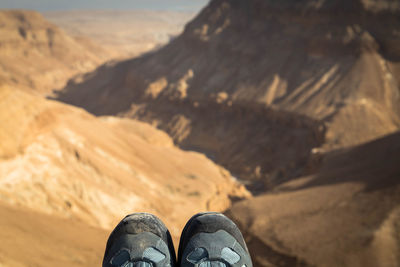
{"x":323,"y":70}
{"x":60,"y":160}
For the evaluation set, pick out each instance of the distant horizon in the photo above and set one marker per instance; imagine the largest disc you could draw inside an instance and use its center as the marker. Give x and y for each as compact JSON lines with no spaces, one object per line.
{"x":83,"y":10}
{"x":101,"y":5}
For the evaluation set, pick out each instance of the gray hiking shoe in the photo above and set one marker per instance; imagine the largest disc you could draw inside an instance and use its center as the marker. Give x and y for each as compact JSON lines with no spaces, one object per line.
{"x":140,"y":240}
{"x":212,"y":240}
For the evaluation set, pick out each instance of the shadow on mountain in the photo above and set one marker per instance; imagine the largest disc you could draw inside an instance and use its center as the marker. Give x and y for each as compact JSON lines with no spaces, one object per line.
{"x":345,"y":215}
{"x":375,"y":165}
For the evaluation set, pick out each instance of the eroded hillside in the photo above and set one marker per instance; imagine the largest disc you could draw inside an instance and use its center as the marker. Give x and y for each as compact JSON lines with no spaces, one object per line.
{"x":269,"y":90}
{"x":60,"y":160}
{"x":260,"y":146}
{"x":67,"y":177}
{"x":329,"y":61}
{"x":38,"y":57}
{"x":346,"y":215}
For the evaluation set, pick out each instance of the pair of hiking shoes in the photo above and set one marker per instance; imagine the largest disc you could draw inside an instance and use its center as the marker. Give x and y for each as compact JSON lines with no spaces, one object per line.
{"x":208,"y":240}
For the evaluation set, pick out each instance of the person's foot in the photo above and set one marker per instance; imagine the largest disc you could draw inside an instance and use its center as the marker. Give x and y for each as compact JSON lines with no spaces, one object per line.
{"x":140,"y":240}
{"x":212,"y":240}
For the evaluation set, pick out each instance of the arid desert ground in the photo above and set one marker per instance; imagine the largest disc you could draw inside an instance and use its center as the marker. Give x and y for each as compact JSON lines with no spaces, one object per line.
{"x":284,"y":115}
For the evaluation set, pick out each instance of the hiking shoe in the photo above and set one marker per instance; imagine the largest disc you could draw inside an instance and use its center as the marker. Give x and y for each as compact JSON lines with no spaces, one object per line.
{"x":140,"y":240}
{"x":212,"y":240}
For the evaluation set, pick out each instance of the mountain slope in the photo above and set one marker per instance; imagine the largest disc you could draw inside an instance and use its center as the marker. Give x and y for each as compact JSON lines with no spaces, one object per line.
{"x":60,"y":160}
{"x":329,"y":61}
{"x":37,"y":56}
{"x":346,"y":215}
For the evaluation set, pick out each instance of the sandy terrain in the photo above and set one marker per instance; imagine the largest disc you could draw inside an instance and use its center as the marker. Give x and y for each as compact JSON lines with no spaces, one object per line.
{"x":345,"y":215}
{"x":302,"y":107}
{"x":29,"y":238}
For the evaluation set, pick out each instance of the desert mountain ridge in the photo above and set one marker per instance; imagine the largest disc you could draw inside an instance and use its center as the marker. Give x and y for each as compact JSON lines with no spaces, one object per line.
{"x":39,"y":57}
{"x":127,"y":33}
{"x":67,"y":177}
{"x":329,"y":64}
{"x":60,"y":160}
{"x":299,"y":100}
{"x":302,"y":104}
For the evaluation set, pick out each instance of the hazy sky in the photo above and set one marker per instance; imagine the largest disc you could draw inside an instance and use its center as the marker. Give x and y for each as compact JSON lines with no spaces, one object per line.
{"x":43,"y":5}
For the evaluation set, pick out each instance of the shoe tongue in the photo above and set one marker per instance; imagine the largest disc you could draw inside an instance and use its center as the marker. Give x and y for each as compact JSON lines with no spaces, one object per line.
{"x":212,"y":264}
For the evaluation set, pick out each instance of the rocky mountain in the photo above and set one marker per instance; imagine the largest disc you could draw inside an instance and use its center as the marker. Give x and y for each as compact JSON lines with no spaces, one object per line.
{"x":330,"y":63}
{"x":60,"y":160}
{"x":345,"y":215}
{"x":38,"y":57}
{"x":298,"y":99}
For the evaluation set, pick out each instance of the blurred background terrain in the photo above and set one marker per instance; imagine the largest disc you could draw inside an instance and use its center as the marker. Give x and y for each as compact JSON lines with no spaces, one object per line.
{"x":124,"y":33}
{"x":285,"y":115}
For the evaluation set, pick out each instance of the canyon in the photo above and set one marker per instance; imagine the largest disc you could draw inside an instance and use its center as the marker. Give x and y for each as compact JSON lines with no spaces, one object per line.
{"x":284,"y":115}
